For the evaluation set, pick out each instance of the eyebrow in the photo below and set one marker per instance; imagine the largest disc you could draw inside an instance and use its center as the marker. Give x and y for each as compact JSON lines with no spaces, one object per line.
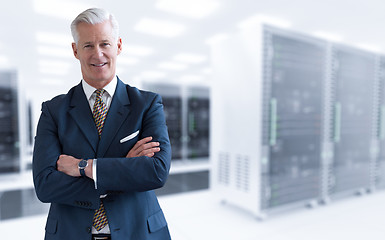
{"x":102,"y":41}
{"x":86,"y":43}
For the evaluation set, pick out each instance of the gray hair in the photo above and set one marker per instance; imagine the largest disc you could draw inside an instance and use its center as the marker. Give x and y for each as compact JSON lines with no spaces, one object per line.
{"x":94,"y":16}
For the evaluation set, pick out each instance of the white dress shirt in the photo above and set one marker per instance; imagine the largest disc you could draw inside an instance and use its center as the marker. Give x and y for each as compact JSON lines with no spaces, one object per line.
{"x":107,"y":96}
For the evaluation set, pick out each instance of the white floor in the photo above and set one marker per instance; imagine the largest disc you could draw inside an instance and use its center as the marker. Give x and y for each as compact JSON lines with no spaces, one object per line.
{"x":199,"y":216}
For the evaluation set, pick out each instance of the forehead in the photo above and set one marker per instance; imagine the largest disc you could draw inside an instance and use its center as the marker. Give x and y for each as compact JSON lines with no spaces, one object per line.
{"x":95,"y":32}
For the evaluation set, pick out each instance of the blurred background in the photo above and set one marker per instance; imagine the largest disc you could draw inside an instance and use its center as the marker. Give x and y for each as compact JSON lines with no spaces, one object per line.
{"x":218,"y":66}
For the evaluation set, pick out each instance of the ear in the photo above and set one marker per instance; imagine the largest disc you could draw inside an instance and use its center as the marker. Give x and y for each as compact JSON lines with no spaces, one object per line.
{"x":75,"y":50}
{"x":120,"y":48}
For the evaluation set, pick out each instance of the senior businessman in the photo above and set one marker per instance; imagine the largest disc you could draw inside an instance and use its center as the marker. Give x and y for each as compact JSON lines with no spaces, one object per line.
{"x":102,"y":148}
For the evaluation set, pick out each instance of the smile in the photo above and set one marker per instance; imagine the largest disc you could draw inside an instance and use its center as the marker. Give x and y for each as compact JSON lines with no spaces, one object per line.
{"x":98,"y":65}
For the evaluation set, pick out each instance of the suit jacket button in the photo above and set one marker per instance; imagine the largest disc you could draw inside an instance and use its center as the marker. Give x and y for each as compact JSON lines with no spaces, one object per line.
{"x":88,"y":230}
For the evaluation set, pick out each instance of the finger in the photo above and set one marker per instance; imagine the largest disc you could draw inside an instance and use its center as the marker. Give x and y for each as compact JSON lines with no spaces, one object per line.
{"x":150,"y":151}
{"x":146,"y":152}
{"x":141,"y":142}
{"x":150,"y":145}
{"x":140,"y":146}
{"x":144,"y":140}
{"x":146,"y":146}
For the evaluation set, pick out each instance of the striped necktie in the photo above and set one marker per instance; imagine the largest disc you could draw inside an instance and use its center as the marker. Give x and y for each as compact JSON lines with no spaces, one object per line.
{"x":100,"y":112}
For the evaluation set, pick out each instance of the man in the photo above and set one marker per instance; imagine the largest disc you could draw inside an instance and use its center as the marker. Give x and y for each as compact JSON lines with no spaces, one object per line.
{"x":101,"y":148}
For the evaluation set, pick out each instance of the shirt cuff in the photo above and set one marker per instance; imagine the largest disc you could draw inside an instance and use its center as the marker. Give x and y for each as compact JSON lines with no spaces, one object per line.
{"x":94,"y":173}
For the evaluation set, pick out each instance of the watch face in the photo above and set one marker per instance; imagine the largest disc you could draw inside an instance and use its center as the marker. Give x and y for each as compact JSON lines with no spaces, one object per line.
{"x":82,"y":164}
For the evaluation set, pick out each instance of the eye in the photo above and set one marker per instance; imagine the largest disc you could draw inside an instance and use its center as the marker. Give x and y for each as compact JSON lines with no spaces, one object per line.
{"x":88,"y":46}
{"x":105,"y":44}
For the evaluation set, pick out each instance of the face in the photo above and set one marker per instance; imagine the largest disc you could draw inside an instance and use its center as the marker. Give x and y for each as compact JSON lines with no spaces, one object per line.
{"x":97,"y":51}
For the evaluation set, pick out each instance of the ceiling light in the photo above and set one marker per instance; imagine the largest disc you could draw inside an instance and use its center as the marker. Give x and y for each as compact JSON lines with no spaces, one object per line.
{"x":160,"y":28}
{"x":54,"y":67}
{"x":192,"y":78}
{"x":137,"y":50}
{"x":54,"y":71}
{"x":55,"y":51}
{"x":54,"y":38}
{"x":54,"y":64}
{"x":328,"y":36}
{"x":127,"y":60}
{"x":190,"y":58}
{"x":152,"y":75}
{"x":264,"y":19}
{"x":52,"y":81}
{"x":172,"y":66}
{"x":59,"y":9}
{"x":188,"y":8}
{"x":216,"y":38}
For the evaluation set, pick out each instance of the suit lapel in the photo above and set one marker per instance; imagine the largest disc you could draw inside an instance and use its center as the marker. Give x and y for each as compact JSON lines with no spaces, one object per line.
{"x":116,"y":116}
{"x":81,"y":113}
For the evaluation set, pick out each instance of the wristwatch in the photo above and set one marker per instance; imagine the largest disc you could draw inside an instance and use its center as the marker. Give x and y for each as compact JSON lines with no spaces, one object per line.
{"x":82,"y":165}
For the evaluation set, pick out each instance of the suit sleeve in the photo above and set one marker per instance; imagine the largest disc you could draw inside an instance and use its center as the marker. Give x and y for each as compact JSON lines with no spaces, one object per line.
{"x":52,"y":185}
{"x":139,"y":173}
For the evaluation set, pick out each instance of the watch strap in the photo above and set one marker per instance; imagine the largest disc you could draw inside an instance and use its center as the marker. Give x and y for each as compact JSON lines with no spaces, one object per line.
{"x":82,"y":172}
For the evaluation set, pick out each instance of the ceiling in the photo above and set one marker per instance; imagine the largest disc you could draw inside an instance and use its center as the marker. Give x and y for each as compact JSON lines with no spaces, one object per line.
{"x":35,"y":35}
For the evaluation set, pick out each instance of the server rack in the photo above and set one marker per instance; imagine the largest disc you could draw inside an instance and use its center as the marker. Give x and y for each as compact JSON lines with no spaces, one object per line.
{"x":267,"y":125}
{"x":354,"y":129}
{"x":172,"y":103}
{"x":198,"y":122}
{"x":9,"y":123}
{"x":379,"y":148}
{"x":294,"y":84}
{"x":187,"y":115}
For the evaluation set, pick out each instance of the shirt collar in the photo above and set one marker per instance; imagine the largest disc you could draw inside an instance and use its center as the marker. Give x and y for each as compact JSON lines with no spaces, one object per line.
{"x":109,"y":88}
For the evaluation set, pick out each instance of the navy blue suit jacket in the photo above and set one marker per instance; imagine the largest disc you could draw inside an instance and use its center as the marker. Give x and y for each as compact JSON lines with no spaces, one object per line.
{"x":66,"y":126}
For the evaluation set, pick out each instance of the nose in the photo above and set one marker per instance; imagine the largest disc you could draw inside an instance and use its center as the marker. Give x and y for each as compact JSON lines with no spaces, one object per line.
{"x":99,"y":51}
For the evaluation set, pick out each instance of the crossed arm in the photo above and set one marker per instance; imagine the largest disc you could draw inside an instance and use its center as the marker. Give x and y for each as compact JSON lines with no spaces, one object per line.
{"x":69,"y":164}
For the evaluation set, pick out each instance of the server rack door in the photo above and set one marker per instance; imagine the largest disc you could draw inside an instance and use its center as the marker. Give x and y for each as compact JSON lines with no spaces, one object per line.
{"x":9,"y":130}
{"x":294,"y":78}
{"x":354,"y":79}
{"x":198,"y":121}
{"x":173,"y":113}
{"x":380,"y":163}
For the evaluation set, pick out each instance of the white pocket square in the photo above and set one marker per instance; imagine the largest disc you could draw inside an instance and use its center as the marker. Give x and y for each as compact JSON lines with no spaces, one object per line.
{"x":129,"y":137}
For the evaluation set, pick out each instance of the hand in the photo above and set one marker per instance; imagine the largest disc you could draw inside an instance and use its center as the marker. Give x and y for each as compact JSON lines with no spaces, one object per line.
{"x":68,"y":165}
{"x":144,"y":147}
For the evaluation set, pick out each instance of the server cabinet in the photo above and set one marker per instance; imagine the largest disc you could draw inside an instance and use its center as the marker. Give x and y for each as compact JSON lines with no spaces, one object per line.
{"x":267,"y":125}
{"x":9,"y":123}
{"x":172,"y":103}
{"x":187,"y":115}
{"x":187,"y":110}
{"x":172,"y":109}
{"x":379,"y":167}
{"x":198,"y":119}
{"x":353,"y":81}
{"x":294,"y":68}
